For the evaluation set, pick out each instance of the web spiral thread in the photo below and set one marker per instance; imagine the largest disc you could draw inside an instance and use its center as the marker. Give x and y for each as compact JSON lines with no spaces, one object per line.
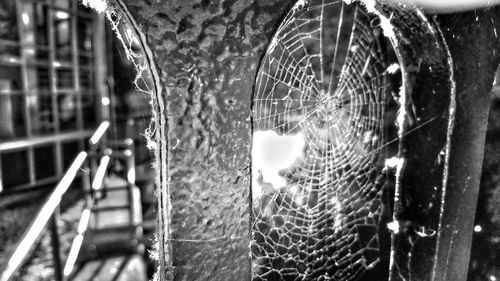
{"x":322,"y":81}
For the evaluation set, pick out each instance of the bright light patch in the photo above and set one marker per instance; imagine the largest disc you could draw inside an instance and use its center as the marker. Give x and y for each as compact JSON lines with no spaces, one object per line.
{"x":105,"y":101}
{"x":73,"y":254}
{"x":299,"y":200}
{"x":393,"y":68}
{"x":270,"y":154}
{"x":99,"y":5}
{"x":478,"y":228}
{"x":393,"y":226}
{"x":84,"y":221}
{"x":131,"y":176}
{"x":100,"y":173}
{"x":42,"y":218}
{"x":61,"y":15}
{"x":294,"y":189}
{"x":26,"y":18}
{"x":393,"y":162}
{"x":99,"y":132}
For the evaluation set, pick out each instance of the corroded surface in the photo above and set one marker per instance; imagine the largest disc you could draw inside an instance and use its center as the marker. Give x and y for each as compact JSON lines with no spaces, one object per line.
{"x":207,"y":53}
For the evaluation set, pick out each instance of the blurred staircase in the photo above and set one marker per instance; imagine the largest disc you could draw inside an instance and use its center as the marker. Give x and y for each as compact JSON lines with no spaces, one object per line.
{"x":112,"y":250}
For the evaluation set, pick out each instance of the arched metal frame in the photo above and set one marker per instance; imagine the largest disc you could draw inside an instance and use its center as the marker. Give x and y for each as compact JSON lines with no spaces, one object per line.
{"x":445,"y":259}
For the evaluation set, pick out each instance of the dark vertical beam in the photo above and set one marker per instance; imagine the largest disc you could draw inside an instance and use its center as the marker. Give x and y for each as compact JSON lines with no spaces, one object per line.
{"x":475,"y":50}
{"x":56,"y":254}
{"x":1,"y":174}
{"x":99,"y":44}
{"x":75,"y":64}
{"x":26,"y":38}
{"x":76,"y":69}
{"x":111,"y":83}
{"x":53,"y":87}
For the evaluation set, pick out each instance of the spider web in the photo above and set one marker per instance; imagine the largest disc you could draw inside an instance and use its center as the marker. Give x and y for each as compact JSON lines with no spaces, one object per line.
{"x":318,"y":119}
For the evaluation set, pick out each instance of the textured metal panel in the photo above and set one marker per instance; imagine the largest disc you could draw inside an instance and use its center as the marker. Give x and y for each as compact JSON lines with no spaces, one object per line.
{"x":208,"y":53}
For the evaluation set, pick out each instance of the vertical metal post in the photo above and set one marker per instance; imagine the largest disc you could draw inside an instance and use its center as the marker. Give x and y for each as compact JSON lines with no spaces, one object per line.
{"x":100,"y":65}
{"x":24,"y":18}
{"x":130,"y":174}
{"x":130,"y":128}
{"x":75,"y":64}
{"x":87,"y":190}
{"x":111,"y":83}
{"x":92,"y":166}
{"x":1,"y":175}
{"x":53,"y":87}
{"x":130,"y":161}
{"x":56,"y":255}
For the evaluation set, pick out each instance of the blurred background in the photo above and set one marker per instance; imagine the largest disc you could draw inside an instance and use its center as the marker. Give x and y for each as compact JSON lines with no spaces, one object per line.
{"x":63,"y":73}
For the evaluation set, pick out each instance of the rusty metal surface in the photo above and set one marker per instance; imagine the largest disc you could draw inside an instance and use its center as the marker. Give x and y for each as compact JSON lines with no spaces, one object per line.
{"x":207,"y":53}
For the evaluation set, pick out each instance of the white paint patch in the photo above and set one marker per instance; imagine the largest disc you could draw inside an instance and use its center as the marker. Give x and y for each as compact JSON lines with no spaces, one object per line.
{"x":393,"y":162}
{"x":385,"y":23}
{"x":98,"y":5}
{"x":393,"y":226}
{"x":401,"y":116}
{"x":393,"y":68}
{"x":270,"y":154}
{"x":387,"y":27}
{"x":299,"y":5}
{"x":26,"y":18}
{"x":478,"y":228}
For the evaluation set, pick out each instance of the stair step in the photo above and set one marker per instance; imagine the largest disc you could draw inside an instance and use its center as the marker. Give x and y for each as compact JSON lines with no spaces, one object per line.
{"x":119,"y":268}
{"x":116,"y":195}
{"x":110,"y":218}
{"x":113,"y":229}
{"x":110,"y":208}
{"x":116,"y":188}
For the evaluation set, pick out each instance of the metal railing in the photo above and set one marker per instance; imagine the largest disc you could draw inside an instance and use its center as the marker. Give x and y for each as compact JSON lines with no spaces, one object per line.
{"x":50,"y":213}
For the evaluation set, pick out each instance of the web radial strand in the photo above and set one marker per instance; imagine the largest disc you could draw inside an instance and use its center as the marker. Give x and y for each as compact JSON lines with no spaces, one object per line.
{"x":319,"y":105}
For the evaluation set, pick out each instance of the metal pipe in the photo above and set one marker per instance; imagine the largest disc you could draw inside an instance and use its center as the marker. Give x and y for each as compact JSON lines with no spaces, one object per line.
{"x":41,"y":219}
{"x":96,"y":137}
{"x":36,"y":141}
{"x":75,"y":66}
{"x":100,"y":173}
{"x":53,"y":88}
{"x":56,"y":245}
{"x":77,"y":241}
{"x":129,"y":153}
{"x":1,"y":175}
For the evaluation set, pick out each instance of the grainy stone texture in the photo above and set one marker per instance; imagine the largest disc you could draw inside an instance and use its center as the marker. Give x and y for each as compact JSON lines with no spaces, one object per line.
{"x":207,"y":54}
